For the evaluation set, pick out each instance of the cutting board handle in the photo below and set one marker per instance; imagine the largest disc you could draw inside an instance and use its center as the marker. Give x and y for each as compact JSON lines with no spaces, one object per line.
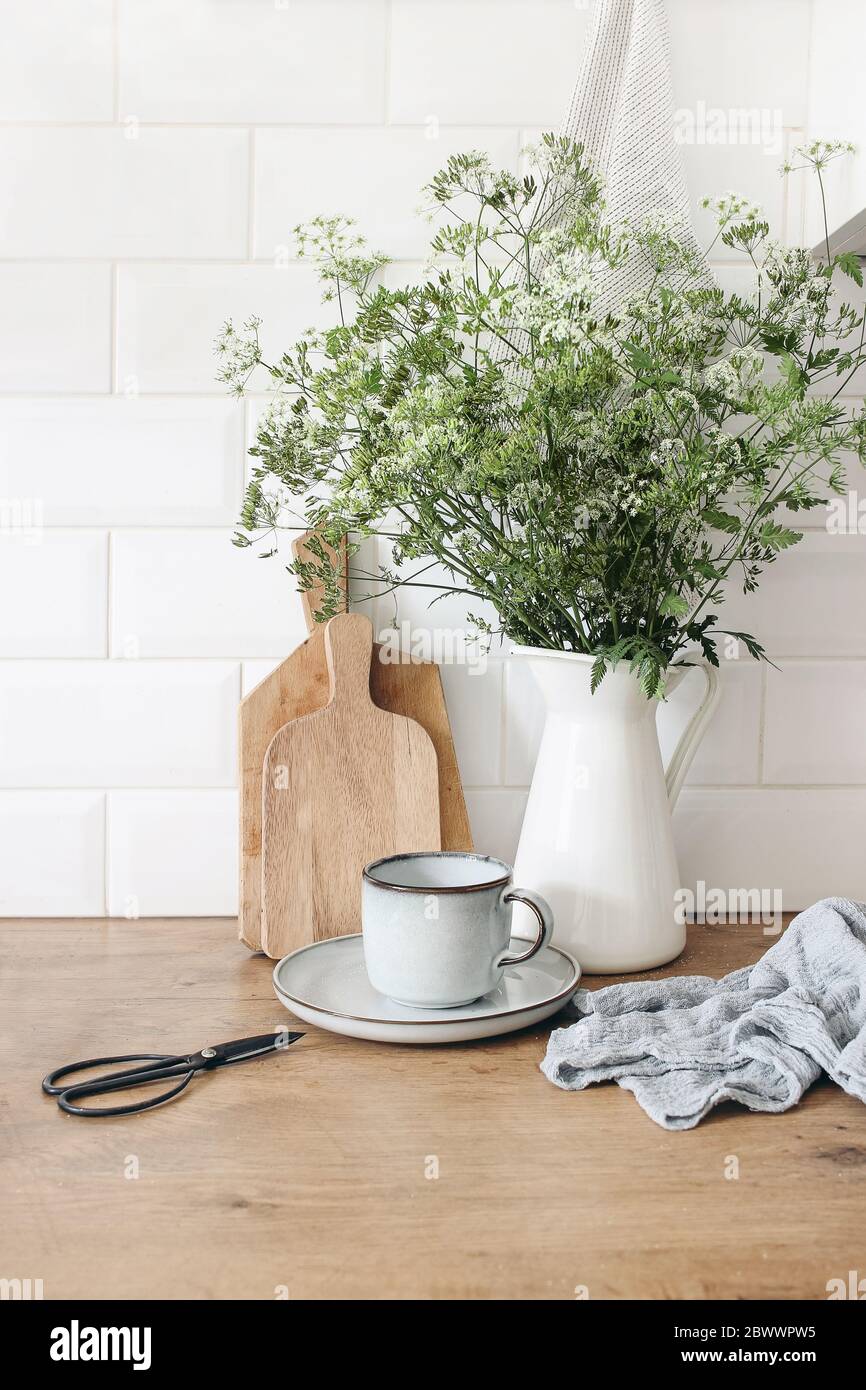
{"x":349,"y":649}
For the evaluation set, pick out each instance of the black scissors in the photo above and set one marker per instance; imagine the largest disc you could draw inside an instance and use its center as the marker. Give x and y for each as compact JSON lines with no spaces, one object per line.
{"x":220,"y":1055}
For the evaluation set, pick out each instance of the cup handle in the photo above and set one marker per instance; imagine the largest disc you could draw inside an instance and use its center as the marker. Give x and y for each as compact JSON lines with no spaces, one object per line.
{"x":543,"y":912}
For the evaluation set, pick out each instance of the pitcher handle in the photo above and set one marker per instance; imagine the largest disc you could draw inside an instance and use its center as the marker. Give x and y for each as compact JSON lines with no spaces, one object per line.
{"x":685,"y":750}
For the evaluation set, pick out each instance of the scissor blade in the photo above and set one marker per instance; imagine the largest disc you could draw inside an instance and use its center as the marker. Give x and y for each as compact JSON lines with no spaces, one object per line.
{"x":222,"y":1054}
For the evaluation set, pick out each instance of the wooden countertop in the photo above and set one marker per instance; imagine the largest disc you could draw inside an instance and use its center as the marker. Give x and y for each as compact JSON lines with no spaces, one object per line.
{"x":307,"y":1170}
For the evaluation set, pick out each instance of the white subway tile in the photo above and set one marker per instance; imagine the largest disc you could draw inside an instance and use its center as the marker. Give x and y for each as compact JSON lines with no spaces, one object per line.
{"x":426,"y":617}
{"x":810,"y":602}
{"x":496,"y":817}
{"x":56,"y":587}
{"x":728,"y":750}
{"x":837,"y":514}
{"x":803,"y":843}
{"x":170,"y":315}
{"x":798,"y":188}
{"x":373,"y":175}
{"x":56,"y":61}
{"x":851,"y":387}
{"x":254,"y":672}
{"x":55,"y":329}
{"x":124,"y":461}
{"x":403,"y":274}
{"x":252,"y":60}
{"x":52,"y":853}
{"x":473,"y":693}
{"x":193,"y":593}
{"x":94,"y":192}
{"x":464,"y":61}
{"x":750,"y":170}
{"x":814,"y":723}
{"x":836,"y":109}
{"x":118,"y":723}
{"x":172,"y":854}
{"x":735,"y":53}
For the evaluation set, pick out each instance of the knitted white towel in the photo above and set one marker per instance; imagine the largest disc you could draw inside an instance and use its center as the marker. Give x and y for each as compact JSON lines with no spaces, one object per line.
{"x":622,"y":113}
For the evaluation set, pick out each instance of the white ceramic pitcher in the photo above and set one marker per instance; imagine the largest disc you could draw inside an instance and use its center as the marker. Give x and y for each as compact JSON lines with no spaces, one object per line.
{"x":597,"y":839}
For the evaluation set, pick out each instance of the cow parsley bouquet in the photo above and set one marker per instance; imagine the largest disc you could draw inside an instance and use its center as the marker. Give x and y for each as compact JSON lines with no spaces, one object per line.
{"x":599,"y":479}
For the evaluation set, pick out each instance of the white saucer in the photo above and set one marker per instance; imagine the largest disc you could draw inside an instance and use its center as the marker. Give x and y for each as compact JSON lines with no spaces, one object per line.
{"x":327,"y":984}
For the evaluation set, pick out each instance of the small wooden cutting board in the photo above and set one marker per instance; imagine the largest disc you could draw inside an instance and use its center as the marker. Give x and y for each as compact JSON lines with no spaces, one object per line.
{"x":300,"y":685}
{"x":340,"y":787}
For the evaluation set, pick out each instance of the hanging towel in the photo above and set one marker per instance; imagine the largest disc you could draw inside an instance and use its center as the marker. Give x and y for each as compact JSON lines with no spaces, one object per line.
{"x":759,"y":1036}
{"x":622,"y":113}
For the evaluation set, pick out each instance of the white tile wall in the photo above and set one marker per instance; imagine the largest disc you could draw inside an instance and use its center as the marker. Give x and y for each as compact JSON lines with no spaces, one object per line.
{"x":254,"y":672}
{"x":496,"y":62}
{"x":814,"y":719}
{"x":118,"y":723}
{"x":302,"y":172}
{"x":56,"y":61}
{"x":742,"y":53}
{"x":55,"y":329}
{"x":169,"y":316}
{"x":496,"y":815}
{"x":836,"y":106}
{"x":156,"y":157}
{"x":441,"y":615}
{"x":52,"y":854}
{"x":811,"y":601}
{"x":253,"y":60}
{"x":56,"y":588}
{"x":804,"y":843}
{"x":137,"y":191}
{"x":751,"y":170}
{"x":172,"y":853}
{"x":729,"y":752}
{"x":191,"y":593}
{"x":474,"y":697}
{"x":122,"y":461}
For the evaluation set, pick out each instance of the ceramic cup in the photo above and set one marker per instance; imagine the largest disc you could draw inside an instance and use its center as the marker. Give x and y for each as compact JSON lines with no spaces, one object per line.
{"x":437,"y":926}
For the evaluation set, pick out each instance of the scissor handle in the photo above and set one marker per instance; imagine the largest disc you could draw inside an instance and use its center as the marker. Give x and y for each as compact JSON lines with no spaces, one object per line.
{"x":121,"y":1082}
{"x":49,"y":1083}
{"x":169,"y":1067}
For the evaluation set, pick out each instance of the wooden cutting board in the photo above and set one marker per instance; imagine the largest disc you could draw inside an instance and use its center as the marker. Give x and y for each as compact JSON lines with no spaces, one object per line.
{"x":340,"y":787}
{"x":300,"y":685}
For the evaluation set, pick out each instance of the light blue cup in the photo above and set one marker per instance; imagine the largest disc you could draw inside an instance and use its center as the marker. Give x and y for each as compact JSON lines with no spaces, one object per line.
{"x":437,"y":926}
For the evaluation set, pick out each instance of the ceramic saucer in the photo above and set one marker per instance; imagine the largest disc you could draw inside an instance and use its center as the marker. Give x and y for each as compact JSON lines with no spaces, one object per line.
{"x":327,"y":984}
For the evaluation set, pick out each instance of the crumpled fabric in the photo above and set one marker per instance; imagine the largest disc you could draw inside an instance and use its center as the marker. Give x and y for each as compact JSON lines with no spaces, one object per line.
{"x":759,"y":1036}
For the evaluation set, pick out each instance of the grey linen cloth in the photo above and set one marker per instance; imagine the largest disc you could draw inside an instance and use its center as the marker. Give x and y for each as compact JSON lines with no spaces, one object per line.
{"x":759,"y":1036}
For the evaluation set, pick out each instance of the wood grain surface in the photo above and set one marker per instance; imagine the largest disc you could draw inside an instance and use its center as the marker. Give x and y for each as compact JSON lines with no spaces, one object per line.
{"x":538,"y":1190}
{"x":340,"y":787}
